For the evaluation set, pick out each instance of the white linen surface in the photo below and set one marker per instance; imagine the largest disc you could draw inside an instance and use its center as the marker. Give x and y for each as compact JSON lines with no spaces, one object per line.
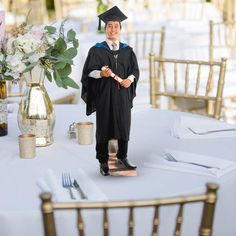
{"x":180,"y":128}
{"x":53,"y":183}
{"x":12,"y":107}
{"x":219,"y":166}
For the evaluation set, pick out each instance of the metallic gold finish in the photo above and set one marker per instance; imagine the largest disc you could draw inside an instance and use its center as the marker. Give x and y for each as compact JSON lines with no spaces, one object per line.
{"x":155,"y":221}
{"x":3,"y":108}
{"x":80,"y":223}
{"x":105,"y":222}
{"x":209,"y":200}
{"x":152,"y":79}
{"x":131,"y":221}
{"x":179,"y":221}
{"x":213,"y":102}
{"x":36,"y":114}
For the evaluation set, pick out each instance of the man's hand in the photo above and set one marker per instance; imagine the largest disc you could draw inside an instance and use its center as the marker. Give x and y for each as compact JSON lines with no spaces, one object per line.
{"x":125,"y":83}
{"x":106,"y":72}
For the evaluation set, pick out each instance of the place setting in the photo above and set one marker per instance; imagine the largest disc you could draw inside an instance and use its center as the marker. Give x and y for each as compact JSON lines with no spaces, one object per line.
{"x":70,"y":186}
{"x":189,"y":162}
{"x":190,"y":127}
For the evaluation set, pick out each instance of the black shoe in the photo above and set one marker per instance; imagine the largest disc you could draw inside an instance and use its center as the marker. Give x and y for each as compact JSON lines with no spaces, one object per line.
{"x":104,"y":169}
{"x":126,"y":164}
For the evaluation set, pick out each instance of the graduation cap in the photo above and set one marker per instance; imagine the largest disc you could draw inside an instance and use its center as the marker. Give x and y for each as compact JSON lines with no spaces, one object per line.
{"x":113,"y":14}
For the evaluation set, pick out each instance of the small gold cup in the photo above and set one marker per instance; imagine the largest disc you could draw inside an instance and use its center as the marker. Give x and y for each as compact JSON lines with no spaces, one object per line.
{"x":27,"y":145}
{"x":84,"y":133}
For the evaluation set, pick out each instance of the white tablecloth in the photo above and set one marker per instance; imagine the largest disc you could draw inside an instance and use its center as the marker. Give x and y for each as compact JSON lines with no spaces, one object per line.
{"x":150,"y":133}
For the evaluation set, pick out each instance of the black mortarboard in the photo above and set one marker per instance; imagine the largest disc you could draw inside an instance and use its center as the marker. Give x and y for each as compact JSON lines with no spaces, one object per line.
{"x":113,"y":14}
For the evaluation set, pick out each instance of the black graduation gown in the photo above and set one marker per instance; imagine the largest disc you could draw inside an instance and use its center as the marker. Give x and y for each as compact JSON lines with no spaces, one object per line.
{"x":111,"y":101}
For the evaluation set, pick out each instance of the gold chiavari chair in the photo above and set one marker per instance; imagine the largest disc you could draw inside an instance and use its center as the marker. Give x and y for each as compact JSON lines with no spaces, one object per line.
{"x":187,"y":10}
{"x":223,"y":41}
{"x":222,"y":35}
{"x":34,"y":11}
{"x":38,"y":12}
{"x":190,"y":80}
{"x":146,"y":41}
{"x":83,"y":11}
{"x":208,"y":199}
{"x":6,"y":4}
{"x":62,"y":7}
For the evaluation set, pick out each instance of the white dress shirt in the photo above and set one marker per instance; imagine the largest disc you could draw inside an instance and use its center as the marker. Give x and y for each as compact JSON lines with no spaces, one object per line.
{"x":96,"y":74}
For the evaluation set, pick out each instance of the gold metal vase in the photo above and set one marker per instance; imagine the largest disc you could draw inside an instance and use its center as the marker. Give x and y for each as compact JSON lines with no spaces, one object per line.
{"x":36,"y":114}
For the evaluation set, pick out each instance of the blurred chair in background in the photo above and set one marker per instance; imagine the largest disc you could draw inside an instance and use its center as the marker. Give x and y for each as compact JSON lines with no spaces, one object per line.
{"x":144,"y":42}
{"x":18,"y":11}
{"x":222,"y":37}
{"x":189,"y":80}
{"x":84,"y":11}
{"x":184,"y":10}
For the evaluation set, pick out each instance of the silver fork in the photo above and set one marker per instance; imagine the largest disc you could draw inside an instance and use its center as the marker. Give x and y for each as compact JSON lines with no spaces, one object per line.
{"x":67,"y":183}
{"x":211,"y":131}
{"x":169,"y":157}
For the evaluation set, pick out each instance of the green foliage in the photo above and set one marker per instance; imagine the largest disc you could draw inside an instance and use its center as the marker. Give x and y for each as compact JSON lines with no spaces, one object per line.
{"x":60,"y":57}
{"x":50,"y":4}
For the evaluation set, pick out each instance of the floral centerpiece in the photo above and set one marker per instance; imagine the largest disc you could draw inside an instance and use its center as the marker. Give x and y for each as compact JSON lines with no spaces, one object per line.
{"x":38,"y":51}
{"x":28,"y":46}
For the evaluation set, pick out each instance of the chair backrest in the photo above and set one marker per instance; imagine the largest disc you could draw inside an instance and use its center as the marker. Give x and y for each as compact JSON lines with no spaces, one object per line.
{"x":35,"y":10}
{"x":187,"y":10}
{"x":146,"y":41}
{"x":63,"y":7}
{"x":209,"y":198}
{"x":188,"y":79}
{"x":222,"y":36}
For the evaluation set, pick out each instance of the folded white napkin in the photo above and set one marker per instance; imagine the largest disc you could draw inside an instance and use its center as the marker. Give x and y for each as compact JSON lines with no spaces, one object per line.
{"x":219,"y":167}
{"x":12,"y":107}
{"x":182,"y":125}
{"x":53,"y":183}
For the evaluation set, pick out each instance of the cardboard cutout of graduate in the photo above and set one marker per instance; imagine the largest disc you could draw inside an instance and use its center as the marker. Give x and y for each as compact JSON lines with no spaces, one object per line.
{"x":111,"y":101}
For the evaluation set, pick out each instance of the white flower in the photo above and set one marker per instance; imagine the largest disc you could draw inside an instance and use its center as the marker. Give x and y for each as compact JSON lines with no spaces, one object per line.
{"x":35,"y":57}
{"x":14,"y":74}
{"x":15,"y":63}
{"x":50,"y":40}
{"x":37,"y":32}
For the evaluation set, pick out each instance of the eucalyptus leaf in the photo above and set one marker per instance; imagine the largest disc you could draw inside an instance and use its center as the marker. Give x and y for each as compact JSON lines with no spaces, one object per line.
{"x":71,"y":35}
{"x":65,"y":71}
{"x":8,"y":77}
{"x":64,"y":59}
{"x":60,"y":65}
{"x":70,"y":53}
{"x":57,"y":78}
{"x":30,"y":67}
{"x":70,"y":83}
{"x":60,"y":45}
{"x":76,"y":43}
{"x":50,"y":29}
{"x":64,"y":85}
{"x":48,"y":75}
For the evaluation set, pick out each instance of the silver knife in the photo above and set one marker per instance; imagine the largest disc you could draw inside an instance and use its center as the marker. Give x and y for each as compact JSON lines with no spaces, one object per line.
{"x":78,"y":188}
